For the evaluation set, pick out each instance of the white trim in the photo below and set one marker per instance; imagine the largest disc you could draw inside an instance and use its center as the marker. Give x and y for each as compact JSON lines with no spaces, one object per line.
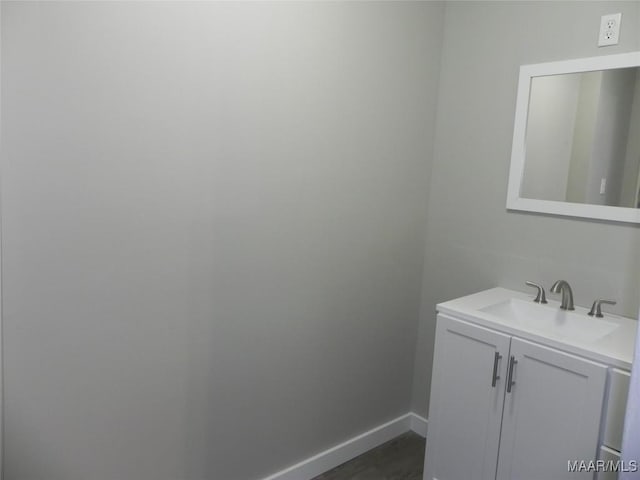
{"x":418,"y":424}
{"x":1,"y":320}
{"x":514,"y":200}
{"x":631,"y":435}
{"x":345,"y":451}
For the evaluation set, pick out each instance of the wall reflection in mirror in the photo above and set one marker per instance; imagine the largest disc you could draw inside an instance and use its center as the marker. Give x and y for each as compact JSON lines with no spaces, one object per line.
{"x":583,"y":138}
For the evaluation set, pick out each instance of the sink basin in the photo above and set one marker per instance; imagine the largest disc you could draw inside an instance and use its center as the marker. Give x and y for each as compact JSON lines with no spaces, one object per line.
{"x":551,"y":321}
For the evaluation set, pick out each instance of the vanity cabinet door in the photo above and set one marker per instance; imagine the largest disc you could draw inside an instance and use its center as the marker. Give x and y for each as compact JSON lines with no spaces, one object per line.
{"x":551,"y":413}
{"x":466,"y":403}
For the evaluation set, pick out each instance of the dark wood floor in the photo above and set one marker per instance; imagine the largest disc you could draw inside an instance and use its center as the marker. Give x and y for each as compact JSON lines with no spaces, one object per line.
{"x":398,"y":459}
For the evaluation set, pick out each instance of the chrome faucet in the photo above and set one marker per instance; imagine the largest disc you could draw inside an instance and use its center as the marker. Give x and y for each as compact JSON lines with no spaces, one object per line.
{"x":596,"y":308}
{"x":540,"y":297}
{"x":562,"y":286}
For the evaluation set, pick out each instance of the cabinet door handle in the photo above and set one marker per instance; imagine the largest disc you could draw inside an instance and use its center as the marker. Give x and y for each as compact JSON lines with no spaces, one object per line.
{"x":495,"y":377}
{"x":510,"y":381}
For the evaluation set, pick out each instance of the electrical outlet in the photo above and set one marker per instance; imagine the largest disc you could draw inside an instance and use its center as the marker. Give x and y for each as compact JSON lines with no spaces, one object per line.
{"x":609,"y":29}
{"x":603,"y":186}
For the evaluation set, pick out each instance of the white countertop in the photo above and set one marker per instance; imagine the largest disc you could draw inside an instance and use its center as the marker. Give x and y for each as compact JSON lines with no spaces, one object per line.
{"x":615,"y":349}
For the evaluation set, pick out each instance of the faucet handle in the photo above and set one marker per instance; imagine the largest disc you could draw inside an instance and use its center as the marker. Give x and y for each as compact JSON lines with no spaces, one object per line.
{"x":597,"y":310}
{"x":540,"y":297}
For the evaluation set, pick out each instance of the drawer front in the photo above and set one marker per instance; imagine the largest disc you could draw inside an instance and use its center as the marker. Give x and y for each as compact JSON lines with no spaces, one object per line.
{"x":616,"y":407}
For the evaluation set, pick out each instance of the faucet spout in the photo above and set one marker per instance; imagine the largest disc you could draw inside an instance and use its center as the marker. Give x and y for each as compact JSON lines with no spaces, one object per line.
{"x":562,"y":286}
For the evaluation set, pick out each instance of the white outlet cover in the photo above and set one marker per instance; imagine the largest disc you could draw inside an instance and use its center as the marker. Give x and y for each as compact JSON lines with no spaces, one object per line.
{"x":609,"y":29}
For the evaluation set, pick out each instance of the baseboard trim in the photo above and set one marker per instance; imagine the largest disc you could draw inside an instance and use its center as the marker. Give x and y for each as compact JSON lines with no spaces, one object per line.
{"x":418,"y":424}
{"x":345,"y":451}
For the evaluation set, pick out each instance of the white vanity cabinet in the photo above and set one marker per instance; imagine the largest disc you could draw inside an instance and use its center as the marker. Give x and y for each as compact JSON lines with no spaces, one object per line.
{"x":466,"y":403}
{"x":550,"y":413}
{"x":506,"y":408}
{"x":613,"y":420}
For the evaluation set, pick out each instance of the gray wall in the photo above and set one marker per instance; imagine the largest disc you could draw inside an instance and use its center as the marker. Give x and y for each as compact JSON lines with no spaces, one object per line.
{"x":213,"y":231}
{"x":473,"y":243}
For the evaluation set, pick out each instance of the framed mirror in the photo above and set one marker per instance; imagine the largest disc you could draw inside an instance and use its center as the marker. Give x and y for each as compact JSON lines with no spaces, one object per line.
{"x":576,"y":139}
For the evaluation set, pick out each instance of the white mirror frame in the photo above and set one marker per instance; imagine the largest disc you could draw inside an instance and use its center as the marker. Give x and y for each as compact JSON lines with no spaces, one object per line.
{"x":514,"y":200}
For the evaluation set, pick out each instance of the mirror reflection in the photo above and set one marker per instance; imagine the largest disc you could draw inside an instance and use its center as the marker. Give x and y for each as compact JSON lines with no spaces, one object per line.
{"x":583,"y":138}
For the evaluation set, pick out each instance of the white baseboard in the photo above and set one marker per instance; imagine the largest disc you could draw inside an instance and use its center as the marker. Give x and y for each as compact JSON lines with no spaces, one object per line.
{"x":337,"y":455}
{"x":418,"y":424}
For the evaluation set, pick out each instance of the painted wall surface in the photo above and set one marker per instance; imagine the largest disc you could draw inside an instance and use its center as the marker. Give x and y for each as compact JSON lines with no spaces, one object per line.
{"x":631,"y":440}
{"x":473,"y":243}
{"x":213,"y":231}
